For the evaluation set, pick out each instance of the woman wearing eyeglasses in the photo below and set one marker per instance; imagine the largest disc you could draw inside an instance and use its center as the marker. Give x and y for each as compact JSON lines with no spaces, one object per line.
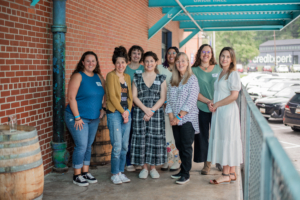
{"x":173,"y":154}
{"x":206,"y":70}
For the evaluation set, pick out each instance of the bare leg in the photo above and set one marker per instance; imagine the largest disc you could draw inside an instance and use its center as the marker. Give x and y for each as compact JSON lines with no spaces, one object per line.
{"x":152,"y":167}
{"x":85,"y":168}
{"x":77,"y":171}
{"x":145,"y":167}
{"x":232,"y":170}
{"x":226,"y":170}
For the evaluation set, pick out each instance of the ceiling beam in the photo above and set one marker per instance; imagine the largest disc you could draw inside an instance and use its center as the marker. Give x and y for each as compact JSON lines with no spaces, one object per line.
{"x":190,"y":36}
{"x":253,"y":28}
{"x":239,"y":8}
{"x":163,"y":21}
{"x":217,"y":24}
{"x":165,"y":3}
{"x":236,"y":17}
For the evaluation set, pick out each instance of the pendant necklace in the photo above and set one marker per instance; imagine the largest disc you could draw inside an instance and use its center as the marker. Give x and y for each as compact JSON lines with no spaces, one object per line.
{"x":205,"y":67}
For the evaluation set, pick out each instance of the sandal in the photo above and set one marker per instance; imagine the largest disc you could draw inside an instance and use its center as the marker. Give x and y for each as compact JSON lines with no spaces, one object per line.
{"x":214,"y":182}
{"x":233,"y":180}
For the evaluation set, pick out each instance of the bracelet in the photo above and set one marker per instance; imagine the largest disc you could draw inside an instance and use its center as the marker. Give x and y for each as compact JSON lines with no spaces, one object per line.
{"x":104,"y":109}
{"x":77,"y":119}
{"x":77,"y":116}
{"x":128,"y":111}
{"x":153,"y":111}
{"x":165,"y":101}
{"x":178,"y":117}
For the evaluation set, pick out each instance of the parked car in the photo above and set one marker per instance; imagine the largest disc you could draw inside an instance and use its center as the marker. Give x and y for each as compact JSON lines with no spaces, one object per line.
{"x":250,"y":77}
{"x":240,"y":68}
{"x":273,"y":107}
{"x":279,"y":86}
{"x":282,"y":68}
{"x":263,"y":81}
{"x":256,"y":92}
{"x":267,"y":68}
{"x":252,"y":69}
{"x":296,"y":68}
{"x":292,"y":112}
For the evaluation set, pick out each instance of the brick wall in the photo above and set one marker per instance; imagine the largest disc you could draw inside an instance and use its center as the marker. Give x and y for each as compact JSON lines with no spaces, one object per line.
{"x":26,"y":51}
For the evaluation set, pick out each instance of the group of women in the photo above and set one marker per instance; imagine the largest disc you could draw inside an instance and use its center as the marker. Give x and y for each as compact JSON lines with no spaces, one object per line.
{"x":156,"y":112}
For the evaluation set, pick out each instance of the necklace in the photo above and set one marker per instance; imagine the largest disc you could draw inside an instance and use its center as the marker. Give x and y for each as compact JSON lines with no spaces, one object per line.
{"x":205,"y":68}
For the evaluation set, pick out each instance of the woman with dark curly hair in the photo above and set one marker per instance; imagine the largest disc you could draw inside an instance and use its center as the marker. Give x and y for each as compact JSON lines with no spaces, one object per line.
{"x":82,"y":115}
{"x":119,"y":104}
{"x":206,"y":70}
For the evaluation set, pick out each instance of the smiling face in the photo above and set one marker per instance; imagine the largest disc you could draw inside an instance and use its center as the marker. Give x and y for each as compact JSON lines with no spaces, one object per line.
{"x":206,"y":54}
{"x":120,"y":65}
{"x":171,"y":56}
{"x":182,"y":64}
{"x":225,"y":59}
{"x":89,"y":63}
{"x":136,"y":56}
{"x":150,"y":64}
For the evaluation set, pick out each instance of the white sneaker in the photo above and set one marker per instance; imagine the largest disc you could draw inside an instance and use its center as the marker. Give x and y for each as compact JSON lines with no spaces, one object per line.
{"x":124,"y":178}
{"x":154,"y":173}
{"x":144,"y":174}
{"x":130,"y":168}
{"x":116,"y":179}
{"x":175,"y":166}
{"x":165,"y":167}
{"x":138,"y":167}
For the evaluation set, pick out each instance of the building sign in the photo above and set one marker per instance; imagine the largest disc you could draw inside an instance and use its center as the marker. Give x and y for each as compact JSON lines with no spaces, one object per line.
{"x":271,"y":59}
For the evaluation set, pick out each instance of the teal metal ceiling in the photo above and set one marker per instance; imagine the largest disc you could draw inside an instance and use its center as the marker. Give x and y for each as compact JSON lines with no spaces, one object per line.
{"x":226,"y":15}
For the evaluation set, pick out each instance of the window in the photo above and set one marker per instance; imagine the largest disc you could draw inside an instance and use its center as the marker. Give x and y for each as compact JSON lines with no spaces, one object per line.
{"x":295,"y":59}
{"x":166,"y":43}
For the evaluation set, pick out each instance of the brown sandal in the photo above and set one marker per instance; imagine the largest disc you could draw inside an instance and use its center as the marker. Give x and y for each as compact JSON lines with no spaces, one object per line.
{"x":233,"y":180}
{"x":214,"y":182}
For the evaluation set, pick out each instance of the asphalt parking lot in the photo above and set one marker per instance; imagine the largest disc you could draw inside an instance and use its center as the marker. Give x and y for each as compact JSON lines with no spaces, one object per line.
{"x":289,"y":139}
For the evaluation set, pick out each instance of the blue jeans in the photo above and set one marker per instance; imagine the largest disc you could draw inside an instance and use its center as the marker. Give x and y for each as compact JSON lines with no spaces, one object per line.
{"x":83,"y":139}
{"x":119,"y":136}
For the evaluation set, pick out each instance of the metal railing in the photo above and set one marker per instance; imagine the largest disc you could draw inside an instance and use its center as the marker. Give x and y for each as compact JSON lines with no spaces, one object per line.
{"x":267,"y":172}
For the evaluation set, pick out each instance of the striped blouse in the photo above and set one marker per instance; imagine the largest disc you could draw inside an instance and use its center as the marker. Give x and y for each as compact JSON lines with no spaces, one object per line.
{"x":184,"y":98}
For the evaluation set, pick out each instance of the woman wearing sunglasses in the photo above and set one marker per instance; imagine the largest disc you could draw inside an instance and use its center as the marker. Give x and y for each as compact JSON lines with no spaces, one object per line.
{"x":206,"y":70}
{"x":173,"y":154}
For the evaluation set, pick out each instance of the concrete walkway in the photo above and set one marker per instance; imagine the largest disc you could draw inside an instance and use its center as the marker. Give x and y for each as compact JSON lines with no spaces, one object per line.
{"x":60,"y":186}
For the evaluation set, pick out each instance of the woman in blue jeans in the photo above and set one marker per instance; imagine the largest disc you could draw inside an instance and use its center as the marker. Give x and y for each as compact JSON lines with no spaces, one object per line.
{"x":82,"y":115}
{"x":119,"y":104}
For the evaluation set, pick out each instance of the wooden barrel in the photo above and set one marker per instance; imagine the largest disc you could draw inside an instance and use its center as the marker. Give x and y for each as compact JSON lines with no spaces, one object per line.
{"x":101,"y":148}
{"x":21,"y":164}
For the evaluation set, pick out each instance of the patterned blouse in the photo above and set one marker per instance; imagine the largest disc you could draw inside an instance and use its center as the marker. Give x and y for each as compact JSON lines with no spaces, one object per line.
{"x":184,"y":97}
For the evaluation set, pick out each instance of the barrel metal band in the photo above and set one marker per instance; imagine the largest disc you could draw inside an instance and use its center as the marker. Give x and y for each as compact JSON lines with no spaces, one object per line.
{"x":21,"y":167}
{"x":21,"y":155}
{"x":22,"y":144}
{"x":15,"y":137}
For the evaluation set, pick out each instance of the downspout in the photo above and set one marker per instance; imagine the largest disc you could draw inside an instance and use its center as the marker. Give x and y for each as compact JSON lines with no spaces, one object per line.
{"x":59,"y":145}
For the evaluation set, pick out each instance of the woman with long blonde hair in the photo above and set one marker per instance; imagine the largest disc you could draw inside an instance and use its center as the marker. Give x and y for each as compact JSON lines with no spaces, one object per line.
{"x":183,"y":113}
{"x":225,"y":144}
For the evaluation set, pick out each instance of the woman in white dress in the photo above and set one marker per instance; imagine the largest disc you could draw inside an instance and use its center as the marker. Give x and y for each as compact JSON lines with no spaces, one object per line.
{"x":225,"y":145}
{"x":173,"y":154}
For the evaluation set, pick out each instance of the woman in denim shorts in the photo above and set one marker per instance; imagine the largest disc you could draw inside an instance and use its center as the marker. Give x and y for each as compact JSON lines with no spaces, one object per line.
{"x":83,"y":113}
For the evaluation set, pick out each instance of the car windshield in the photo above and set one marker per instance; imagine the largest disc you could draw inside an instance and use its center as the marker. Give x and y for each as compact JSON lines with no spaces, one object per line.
{"x":267,"y":85}
{"x":277,"y":87}
{"x":287,"y":92}
{"x":296,"y":98}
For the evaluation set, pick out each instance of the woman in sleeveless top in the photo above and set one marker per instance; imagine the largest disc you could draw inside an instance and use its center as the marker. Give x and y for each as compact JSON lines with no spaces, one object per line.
{"x":173,"y":154}
{"x":83,"y":113}
{"x":148,"y":137}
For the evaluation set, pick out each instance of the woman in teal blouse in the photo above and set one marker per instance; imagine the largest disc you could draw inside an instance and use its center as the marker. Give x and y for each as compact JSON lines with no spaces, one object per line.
{"x":206,"y":70}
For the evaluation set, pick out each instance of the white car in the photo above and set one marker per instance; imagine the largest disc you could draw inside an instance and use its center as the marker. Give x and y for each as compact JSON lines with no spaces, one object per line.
{"x":256,"y":92}
{"x":252,"y":77}
{"x":263,"y":81}
{"x":282,"y":68}
{"x":296,"y":68}
{"x":279,"y":86}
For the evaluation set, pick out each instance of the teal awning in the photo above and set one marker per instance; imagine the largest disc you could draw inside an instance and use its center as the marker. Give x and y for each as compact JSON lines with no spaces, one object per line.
{"x":225,"y":15}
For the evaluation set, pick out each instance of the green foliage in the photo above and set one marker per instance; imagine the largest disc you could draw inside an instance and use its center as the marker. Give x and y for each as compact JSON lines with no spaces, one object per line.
{"x":246,"y":43}
{"x":242,"y":41}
